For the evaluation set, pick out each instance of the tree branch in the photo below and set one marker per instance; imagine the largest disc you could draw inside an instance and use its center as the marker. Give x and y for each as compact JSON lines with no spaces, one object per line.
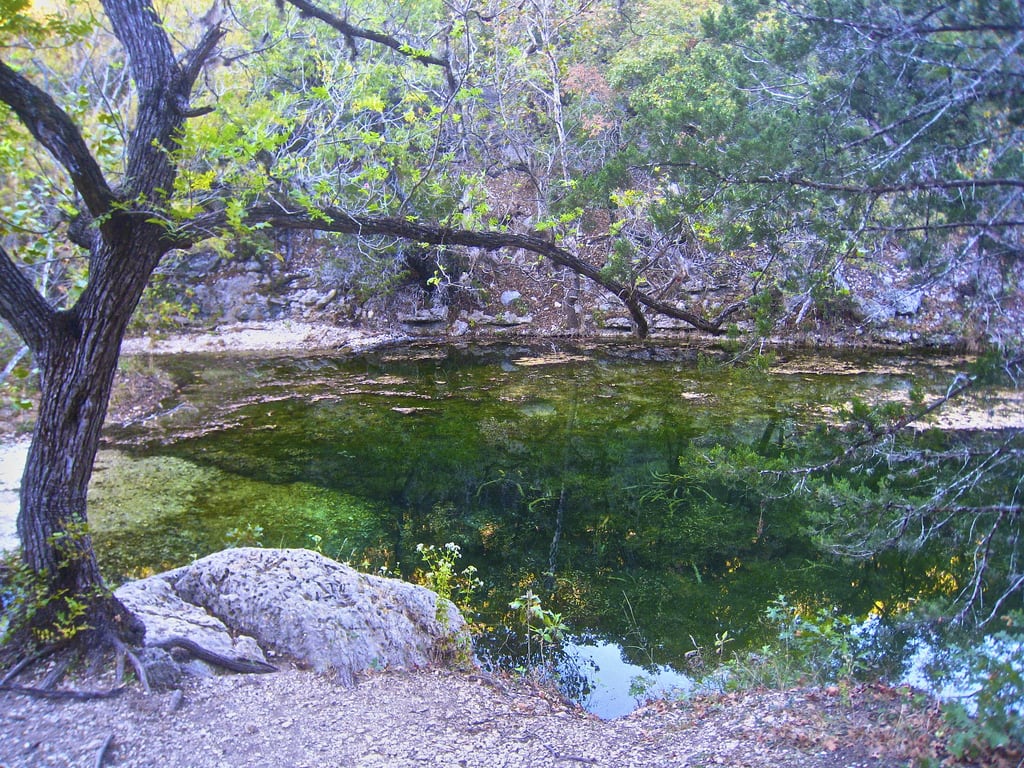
{"x":920,"y":26}
{"x":192,"y":63}
{"x":797,"y":179}
{"x":52,"y":128}
{"x":891,"y":189}
{"x":336,"y":220}
{"x":349,"y":30}
{"x":140,"y":31}
{"x":951,"y":225}
{"x":163,"y":93}
{"x":22,"y":306}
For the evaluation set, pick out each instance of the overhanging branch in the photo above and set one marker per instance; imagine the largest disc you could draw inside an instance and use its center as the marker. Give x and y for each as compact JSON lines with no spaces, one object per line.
{"x":892,"y":189}
{"x":349,"y":30}
{"x":798,"y":179}
{"x":336,"y":220}
{"x":922,"y":26}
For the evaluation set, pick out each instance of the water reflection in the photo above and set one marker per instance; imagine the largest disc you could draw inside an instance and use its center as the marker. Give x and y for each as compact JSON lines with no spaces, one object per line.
{"x":612,"y":686}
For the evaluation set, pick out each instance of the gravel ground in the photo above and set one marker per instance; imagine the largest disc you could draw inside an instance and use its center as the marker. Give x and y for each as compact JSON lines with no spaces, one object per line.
{"x":439,"y":718}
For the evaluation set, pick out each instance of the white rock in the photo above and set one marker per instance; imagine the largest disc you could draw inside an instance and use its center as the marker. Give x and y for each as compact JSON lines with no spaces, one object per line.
{"x":169,"y":618}
{"x":320,"y":612}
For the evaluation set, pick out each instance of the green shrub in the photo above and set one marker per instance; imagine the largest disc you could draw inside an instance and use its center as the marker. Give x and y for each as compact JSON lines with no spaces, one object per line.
{"x":993,"y":671}
{"x":812,"y":647}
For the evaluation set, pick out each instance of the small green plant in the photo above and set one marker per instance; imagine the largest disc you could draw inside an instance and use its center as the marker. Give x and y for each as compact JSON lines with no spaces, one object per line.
{"x":441,"y":576}
{"x":452,"y":588}
{"x":822,"y":641}
{"x":640,"y":686}
{"x":22,"y":595}
{"x":812,"y":647}
{"x":702,"y":660}
{"x":25,"y":595}
{"x":249,"y":536}
{"x":544,"y":627}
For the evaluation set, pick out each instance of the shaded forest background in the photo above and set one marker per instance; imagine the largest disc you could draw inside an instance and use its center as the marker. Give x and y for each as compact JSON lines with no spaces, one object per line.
{"x":827,"y":172}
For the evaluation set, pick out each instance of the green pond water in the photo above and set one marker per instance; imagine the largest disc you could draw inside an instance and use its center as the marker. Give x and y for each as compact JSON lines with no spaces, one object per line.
{"x":550,"y":466}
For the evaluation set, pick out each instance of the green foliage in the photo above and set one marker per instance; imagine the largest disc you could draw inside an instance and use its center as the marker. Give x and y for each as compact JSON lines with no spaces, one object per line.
{"x":543,"y":628}
{"x":451,"y":586}
{"x":164,"y":307}
{"x":70,"y":21}
{"x":994,"y":670}
{"x":30,"y":604}
{"x":811,"y":646}
{"x":18,"y":386}
{"x":251,"y":535}
{"x":23,"y":593}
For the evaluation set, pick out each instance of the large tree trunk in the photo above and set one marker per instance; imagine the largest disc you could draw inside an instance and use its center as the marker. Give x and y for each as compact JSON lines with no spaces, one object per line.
{"x":78,"y":362}
{"x":77,"y":350}
{"x":76,"y":378}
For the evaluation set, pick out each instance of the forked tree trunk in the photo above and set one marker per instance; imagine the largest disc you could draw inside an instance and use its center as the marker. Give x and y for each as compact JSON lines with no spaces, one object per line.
{"x":77,"y":350}
{"x":78,"y":361}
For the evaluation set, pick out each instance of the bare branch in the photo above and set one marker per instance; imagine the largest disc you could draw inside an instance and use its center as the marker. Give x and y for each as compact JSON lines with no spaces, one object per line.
{"x":982,"y":225}
{"x":192,"y":63}
{"x":892,"y":189}
{"x":921,"y":26}
{"x":350,"y":30}
{"x":22,"y":306}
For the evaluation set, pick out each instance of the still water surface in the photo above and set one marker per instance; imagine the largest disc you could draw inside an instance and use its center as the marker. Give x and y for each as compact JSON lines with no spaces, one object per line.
{"x":551,"y":467}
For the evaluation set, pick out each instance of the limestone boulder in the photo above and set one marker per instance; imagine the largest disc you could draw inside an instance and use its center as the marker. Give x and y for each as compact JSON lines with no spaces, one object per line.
{"x":239,"y":603}
{"x":300,"y":604}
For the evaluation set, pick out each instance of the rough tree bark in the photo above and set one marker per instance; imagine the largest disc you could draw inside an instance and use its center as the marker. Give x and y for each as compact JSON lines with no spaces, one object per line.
{"x":77,"y":349}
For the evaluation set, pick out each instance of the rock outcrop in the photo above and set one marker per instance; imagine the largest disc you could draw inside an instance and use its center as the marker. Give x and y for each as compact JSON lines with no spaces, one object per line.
{"x":239,"y":603}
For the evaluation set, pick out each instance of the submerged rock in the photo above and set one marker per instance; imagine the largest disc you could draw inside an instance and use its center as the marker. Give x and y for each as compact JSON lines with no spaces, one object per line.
{"x":297,"y":603}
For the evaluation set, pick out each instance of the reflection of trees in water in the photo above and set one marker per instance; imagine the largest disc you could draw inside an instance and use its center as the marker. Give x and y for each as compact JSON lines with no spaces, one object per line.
{"x":600,"y":486}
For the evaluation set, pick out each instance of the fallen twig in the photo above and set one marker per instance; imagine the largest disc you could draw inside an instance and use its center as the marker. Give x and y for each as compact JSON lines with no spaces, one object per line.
{"x":102,"y":754}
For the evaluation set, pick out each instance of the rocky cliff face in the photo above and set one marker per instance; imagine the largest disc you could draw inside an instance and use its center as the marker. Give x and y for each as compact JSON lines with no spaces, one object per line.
{"x":310,"y":278}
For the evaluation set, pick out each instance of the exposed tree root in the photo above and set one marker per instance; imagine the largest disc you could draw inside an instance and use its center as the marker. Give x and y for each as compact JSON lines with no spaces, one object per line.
{"x":56,"y":673}
{"x":124,"y":652}
{"x":20,"y":666}
{"x":63,"y":693}
{"x":244,"y":666}
{"x":98,"y":646}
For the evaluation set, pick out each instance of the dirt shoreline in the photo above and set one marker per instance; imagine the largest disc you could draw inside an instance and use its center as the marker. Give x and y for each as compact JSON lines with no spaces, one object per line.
{"x":270,"y":337}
